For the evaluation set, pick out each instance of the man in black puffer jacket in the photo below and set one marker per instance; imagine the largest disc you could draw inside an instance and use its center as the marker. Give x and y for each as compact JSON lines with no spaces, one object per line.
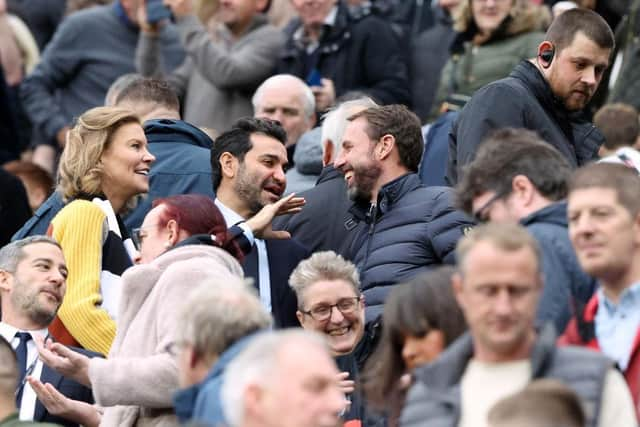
{"x":408,"y":227}
{"x":547,"y":94}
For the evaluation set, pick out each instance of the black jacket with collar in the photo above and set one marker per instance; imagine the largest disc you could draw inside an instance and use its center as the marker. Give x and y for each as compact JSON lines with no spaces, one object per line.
{"x":522,"y":100}
{"x":411,"y":229}
{"x":357,"y":53}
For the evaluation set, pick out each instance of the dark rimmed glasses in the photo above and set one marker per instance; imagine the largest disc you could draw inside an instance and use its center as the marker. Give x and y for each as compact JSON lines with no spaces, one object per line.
{"x":322,"y":312}
{"x":482,"y":213}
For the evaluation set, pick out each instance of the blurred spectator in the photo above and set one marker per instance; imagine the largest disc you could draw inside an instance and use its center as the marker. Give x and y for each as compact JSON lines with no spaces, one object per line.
{"x":518,"y":178}
{"x":227,"y":59}
{"x":336,"y":53}
{"x":498,"y":287}
{"x":421,"y":318}
{"x":9,"y":126}
{"x":75,"y":72}
{"x":604,"y":213}
{"x":289,"y":100}
{"x":14,"y":206}
{"x":269,"y":383}
{"x":325,"y":222}
{"x":32,"y":278}
{"x":620,"y":125}
{"x":247,"y":165}
{"x":546,"y":94}
{"x":542,"y":403}
{"x":408,"y":228}
{"x":76,"y":5}
{"x":41,"y":16}
{"x":624,"y":82}
{"x":181,"y":149}
{"x":205,"y":352}
{"x":493,"y":36}
{"x":37,"y":181}
{"x":116,"y":87}
{"x":103,"y":167}
{"x":281,"y":12}
{"x":429,"y":53}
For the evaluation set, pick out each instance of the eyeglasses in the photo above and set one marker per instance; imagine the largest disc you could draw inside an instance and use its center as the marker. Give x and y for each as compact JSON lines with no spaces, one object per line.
{"x":138,"y":237}
{"x":481,"y":214}
{"x":322,"y":312}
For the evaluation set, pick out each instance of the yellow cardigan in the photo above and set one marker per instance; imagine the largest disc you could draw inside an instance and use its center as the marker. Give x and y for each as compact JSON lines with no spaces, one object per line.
{"x":80,"y":228}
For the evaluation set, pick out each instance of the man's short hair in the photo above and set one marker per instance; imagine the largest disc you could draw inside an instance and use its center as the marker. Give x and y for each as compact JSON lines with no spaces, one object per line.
{"x":307,"y":99}
{"x":8,"y":370}
{"x":542,"y":403}
{"x":398,"y":121}
{"x":149,"y":91}
{"x":564,"y":28}
{"x":506,"y":153}
{"x":619,"y":124}
{"x":506,"y":237}
{"x":617,"y":177}
{"x":216,"y":315}
{"x":325,"y":265}
{"x":12,"y":253}
{"x":259,"y":363}
{"x":237,"y":142}
{"x":116,"y":87}
{"x":335,"y":121}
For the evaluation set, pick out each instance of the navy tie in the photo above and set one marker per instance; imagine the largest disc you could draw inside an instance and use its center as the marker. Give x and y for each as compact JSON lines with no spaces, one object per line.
{"x":21,"y":355}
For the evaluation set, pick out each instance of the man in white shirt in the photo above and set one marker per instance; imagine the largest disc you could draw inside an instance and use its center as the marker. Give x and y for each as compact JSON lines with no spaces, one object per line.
{"x":33,"y":277}
{"x":247,"y":169}
{"x":498,"y":287}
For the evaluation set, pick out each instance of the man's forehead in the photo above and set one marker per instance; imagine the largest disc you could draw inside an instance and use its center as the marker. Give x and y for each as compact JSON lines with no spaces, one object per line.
{"x":43,"y":250}
{"x":281,"y":96}
{"x":582,"y":47}
{"x":262,"y":145}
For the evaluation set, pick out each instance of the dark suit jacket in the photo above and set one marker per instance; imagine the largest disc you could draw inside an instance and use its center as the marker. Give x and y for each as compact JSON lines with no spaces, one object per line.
{"x":284,"y":256}
{"x":66,"y":386}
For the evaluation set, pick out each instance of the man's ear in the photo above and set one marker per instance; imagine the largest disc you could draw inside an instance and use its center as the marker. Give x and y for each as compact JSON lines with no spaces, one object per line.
{"x":6,"y":280}
{"x":456,"y":284}
{"x":523,"y":188}
{"x":385,"y":146}
{"x":327,"y":152}
{"x":228,"y":165}
{"x":300,"y":316}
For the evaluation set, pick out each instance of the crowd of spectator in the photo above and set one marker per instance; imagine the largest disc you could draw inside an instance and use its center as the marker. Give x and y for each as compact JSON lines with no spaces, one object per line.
{"x":323,"y":213}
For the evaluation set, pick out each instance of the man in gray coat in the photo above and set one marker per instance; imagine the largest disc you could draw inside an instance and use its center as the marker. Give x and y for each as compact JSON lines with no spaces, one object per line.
{"x":223,"y":67}
{"x":498,"y":288}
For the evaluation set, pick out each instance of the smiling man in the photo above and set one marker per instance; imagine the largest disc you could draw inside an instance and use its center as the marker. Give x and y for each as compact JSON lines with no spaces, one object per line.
{"x":604,"y":227}
{"x":546,"y":94}
{"x":33,"y":276}
{"x":408,"y":228}
{"x":498,"y":288}
{"x":247,"y":167}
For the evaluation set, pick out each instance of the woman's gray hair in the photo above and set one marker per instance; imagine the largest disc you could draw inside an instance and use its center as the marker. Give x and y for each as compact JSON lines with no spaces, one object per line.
{"x":326,"y":265}
{"x":335,"y":121}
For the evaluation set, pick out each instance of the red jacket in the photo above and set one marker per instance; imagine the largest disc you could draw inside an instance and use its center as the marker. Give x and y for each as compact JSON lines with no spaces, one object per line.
{"x":583,"y":334}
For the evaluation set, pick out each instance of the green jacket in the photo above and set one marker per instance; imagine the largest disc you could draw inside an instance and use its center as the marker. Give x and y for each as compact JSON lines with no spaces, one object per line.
{"x":477,"y":66}
{"x":13,"y":421}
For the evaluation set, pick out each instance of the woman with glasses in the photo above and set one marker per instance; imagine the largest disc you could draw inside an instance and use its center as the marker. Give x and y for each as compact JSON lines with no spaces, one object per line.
{"x":104,"y":165}
{"x":421,"y":318}
{"x":183,"y":242}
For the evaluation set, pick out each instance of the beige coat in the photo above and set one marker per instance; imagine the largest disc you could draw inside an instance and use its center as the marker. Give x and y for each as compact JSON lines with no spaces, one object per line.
{"x":136,"y":382}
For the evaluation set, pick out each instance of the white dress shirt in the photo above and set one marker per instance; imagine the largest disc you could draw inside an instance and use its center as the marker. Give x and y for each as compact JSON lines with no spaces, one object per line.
{"x":28,"y":402}
{"x":264,"y":281}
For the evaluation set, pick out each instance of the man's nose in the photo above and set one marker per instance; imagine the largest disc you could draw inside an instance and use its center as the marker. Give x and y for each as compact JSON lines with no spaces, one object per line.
{"x":589,"y":76}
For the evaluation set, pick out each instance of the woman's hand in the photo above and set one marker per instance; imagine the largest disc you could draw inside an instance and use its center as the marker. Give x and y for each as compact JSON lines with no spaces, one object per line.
{"x":58,"y":404}
{"x":260,"y":223}
{"x":65,"y":361}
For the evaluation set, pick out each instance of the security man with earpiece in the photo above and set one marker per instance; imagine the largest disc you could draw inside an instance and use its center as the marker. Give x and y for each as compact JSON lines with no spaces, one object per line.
{"x":546,"y":94}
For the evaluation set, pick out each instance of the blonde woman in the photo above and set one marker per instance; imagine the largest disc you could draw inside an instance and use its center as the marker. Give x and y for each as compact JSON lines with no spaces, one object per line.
{"x":105,"y":164}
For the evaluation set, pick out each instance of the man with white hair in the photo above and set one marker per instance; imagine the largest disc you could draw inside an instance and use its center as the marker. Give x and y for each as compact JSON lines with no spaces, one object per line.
{"x":325,"y":223}
{"x":204,"y":352}
{"x":283,"y":379}
{"x":289,"y":100}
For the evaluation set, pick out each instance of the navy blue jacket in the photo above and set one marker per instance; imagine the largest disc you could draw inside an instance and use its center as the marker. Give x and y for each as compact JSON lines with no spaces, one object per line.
{"x":39,"y":222}
{"x":411,"y":229}
{"x":181,"y":167}
{"x":565,"y":283}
